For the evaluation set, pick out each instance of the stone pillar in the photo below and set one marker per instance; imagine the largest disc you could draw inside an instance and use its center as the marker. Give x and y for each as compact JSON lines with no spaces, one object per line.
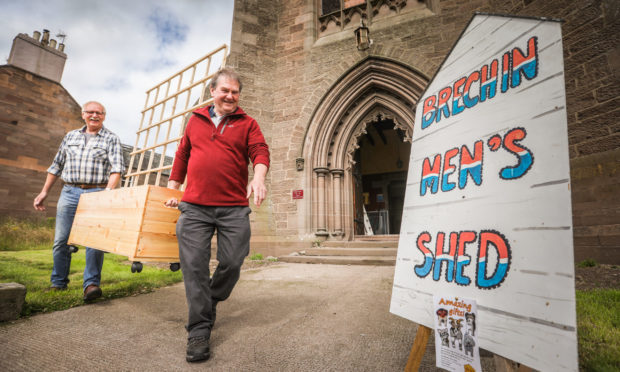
{"x":321,"y":228}
{"x":337,"y":189}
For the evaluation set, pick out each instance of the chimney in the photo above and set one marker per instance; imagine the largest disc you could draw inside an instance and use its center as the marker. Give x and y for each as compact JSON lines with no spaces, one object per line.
{"x":39,"y":57}
{"x":46,"y":37}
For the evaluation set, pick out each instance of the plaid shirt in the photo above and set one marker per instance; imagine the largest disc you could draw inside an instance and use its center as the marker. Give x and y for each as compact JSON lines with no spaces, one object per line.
{"x":77,"y":162}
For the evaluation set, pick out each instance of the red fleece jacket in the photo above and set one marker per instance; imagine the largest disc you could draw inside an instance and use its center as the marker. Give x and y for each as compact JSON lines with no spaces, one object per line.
{"x":216,"y":160}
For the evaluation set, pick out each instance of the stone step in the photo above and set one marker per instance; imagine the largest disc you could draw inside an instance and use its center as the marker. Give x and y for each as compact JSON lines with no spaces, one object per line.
{"x":360,"y":244}
{"x":341,"y":260}
{"x":377,"y":237}
{"x":349,"y":252}
{"x":371,"y":252}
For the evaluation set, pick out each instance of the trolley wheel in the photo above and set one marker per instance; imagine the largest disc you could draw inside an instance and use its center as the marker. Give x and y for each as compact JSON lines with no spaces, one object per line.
{"x":136,"y":267}
{"x":175,"y":266}
{"x":73,"y":249}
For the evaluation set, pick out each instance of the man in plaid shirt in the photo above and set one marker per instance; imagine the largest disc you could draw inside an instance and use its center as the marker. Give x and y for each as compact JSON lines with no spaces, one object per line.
{"x":89,"y":159}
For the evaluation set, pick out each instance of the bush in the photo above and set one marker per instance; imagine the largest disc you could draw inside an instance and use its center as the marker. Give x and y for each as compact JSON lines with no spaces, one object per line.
{"x":587,"y":263}
{"x":26,"y":234}
{"x":256,"y":257}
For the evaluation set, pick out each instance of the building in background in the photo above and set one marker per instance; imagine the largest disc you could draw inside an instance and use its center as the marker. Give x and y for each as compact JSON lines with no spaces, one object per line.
{"x":36,"y":111}
{"x":337,"y":109}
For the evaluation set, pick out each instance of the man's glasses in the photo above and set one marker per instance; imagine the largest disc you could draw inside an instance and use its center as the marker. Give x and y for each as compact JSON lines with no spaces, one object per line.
{"x":100,"y":113}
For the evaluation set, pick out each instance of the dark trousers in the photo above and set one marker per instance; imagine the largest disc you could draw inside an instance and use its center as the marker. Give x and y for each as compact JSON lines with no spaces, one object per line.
{"x":195,"y":230}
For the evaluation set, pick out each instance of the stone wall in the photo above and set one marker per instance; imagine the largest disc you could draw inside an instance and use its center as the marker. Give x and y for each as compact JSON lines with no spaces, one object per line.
{"x":591,"y":40}
{"x":288,"y":66}
{"x":35,"y":114}
{"x":254,"y":34}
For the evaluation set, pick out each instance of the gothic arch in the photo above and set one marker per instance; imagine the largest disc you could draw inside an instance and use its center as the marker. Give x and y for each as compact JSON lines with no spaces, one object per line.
{"x":374,"y":87}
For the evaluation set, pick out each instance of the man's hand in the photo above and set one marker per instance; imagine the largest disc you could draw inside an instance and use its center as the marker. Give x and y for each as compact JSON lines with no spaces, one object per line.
{"x":259,"y":189}
{"x":257,"y":185}
{"x":38,"y":201}
{"x":172,"y":202}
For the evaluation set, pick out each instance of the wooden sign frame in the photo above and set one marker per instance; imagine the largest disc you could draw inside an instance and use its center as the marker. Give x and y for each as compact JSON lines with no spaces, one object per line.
{"x":487,"y":211}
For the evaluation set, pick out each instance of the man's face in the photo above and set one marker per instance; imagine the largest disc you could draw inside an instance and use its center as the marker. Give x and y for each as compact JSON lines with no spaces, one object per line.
{"x":93,"y":115}
{"x":225,"y":95}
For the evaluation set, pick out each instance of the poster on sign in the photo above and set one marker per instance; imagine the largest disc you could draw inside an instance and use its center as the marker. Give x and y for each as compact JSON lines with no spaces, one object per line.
{"x":487,"y":213}
{"x":456,"y":344}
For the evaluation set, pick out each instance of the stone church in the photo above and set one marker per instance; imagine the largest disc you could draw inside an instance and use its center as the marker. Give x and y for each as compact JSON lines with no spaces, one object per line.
{"x":337,"y":107}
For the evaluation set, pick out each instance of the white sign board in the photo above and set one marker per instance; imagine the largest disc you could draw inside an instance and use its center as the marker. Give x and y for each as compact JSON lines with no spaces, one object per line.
{"x":487,"y":209}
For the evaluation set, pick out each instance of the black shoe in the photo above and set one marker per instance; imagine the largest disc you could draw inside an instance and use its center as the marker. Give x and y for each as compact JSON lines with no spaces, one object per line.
{"x":92,"y":292}
{"x":197,"y":349}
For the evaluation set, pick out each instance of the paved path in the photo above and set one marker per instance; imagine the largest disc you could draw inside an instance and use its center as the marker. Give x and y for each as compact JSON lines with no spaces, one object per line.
{"x":285,"y":317}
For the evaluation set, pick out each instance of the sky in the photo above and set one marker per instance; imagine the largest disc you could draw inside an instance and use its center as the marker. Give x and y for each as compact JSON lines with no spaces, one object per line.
{"x":117,"y":49}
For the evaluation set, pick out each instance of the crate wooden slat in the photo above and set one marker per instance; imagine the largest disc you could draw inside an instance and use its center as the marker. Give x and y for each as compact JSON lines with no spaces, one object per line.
{"x":166,"y":110}
{"x":130,"y":221}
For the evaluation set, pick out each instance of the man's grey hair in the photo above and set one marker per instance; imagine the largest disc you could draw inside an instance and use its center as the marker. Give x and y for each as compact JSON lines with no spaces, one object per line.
{"x":89,"y":102}
{"x":228,"y":72}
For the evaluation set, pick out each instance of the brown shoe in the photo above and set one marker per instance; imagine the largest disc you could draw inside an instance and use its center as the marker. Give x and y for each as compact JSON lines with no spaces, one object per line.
{"x":92,"y":292}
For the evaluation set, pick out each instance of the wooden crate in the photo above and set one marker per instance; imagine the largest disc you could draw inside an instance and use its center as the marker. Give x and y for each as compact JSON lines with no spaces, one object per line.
{"x":131,"y":221}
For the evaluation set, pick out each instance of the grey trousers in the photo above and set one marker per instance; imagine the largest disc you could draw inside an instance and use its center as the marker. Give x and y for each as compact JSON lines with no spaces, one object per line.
{"x":195,"y":229}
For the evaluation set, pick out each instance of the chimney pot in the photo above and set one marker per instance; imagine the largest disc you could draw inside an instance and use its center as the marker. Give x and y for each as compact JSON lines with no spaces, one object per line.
{"x":38,"y":57}
{"x":61,"y":47}
{"x":53,"y":44}
{"x":36,"y":35}
{"x":46,"y":37}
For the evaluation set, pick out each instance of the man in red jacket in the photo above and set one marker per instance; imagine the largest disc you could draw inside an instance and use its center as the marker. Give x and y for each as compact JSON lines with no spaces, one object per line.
{"x":214,"y":153}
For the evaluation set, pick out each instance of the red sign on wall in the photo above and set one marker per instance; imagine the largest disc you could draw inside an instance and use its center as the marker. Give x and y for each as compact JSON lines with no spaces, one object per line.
{"x":298,"y":194}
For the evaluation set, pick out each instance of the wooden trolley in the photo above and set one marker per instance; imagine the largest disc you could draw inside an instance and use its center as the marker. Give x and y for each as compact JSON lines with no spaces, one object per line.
{"x":132,"y":222}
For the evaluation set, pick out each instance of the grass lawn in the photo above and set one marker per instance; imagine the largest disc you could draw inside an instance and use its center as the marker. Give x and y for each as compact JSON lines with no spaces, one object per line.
{"x":33,"y":268}
{"x":598,"y":329}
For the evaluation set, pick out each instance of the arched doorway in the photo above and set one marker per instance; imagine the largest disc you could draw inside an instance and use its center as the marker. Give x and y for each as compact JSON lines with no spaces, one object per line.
{"x":374,"y":91}
{"x":379,"y":178}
